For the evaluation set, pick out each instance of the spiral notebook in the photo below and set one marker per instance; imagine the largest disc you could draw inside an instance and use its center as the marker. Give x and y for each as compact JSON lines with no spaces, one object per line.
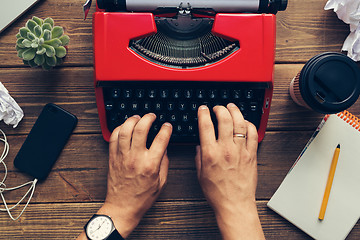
{"x":299,"y":197}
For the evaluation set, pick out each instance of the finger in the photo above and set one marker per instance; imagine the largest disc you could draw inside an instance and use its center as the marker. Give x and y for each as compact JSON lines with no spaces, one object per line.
{"x":206,"y":126}
{"x":161,"y":141}
{"x":114,"y":141}
{"x":141,"y":131}
{"x":239,"y":123}
{"x":225,"y":124}
{"x":164,"y":168}
{"x":198,"y":160}
{"x":252,"y":138}
{"x":126,"y":131}
{"x":119,"y":133}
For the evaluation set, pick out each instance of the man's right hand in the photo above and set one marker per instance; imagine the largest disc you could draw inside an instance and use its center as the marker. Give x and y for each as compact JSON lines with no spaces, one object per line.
{"x":227,"y":171}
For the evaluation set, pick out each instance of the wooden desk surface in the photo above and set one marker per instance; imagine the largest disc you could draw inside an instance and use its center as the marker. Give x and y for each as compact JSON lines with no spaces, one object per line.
{"x":76,"y":187}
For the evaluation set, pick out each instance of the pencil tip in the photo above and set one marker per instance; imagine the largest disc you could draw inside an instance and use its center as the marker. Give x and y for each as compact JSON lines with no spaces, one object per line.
{"x":338,"y":146}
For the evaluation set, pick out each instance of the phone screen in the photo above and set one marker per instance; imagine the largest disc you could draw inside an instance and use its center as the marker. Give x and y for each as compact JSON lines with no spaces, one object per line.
{"x":45,"y":141}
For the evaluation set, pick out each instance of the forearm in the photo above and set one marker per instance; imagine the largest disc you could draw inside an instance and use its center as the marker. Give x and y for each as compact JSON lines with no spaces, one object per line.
{"x":240,"y":223}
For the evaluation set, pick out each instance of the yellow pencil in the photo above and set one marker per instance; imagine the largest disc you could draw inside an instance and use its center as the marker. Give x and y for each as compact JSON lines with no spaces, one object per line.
{"x":329,"y":182}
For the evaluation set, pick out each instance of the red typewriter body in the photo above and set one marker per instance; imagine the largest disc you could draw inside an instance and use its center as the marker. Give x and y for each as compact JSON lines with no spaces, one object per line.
{"x":253,"y":62}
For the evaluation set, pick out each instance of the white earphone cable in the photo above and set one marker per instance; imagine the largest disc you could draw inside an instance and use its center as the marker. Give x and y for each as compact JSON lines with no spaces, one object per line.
{"x":4,"y":188}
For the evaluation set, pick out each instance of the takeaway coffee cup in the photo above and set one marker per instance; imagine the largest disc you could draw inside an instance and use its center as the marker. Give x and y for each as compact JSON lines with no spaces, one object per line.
{"x":328,"y":83}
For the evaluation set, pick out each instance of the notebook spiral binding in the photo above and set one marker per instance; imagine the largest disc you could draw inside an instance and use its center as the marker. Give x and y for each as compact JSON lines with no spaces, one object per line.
{"x":350,"y":119}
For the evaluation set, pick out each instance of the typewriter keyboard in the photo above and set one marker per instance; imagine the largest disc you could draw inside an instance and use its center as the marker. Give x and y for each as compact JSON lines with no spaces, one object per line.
{"x":177,"y":103}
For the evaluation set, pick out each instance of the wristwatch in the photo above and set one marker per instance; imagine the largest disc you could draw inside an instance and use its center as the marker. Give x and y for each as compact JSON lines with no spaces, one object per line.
{"x":101,"y":227}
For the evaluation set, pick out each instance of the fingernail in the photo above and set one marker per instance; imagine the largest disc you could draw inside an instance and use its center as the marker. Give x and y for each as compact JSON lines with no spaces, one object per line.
{"x":231,"y":105}
{"x":167,"y":124}
{"x":203,"y":107}
{"x":136,"y":116}
{"x":153,"y":114}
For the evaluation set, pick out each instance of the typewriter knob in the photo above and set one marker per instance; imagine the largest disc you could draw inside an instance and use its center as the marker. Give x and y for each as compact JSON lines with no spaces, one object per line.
{"x":112,"y":5}
{"x":281,"y":4}
{"x":277,"y":5}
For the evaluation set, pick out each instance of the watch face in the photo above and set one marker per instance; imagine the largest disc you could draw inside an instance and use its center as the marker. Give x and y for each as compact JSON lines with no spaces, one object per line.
{"x":99,"y":228}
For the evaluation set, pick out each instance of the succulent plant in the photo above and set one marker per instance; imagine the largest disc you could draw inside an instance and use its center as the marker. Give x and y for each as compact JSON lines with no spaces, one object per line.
{"x":40,"y":43}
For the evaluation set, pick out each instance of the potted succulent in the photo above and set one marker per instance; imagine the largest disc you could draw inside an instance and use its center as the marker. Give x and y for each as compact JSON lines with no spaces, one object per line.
{"x":40,"y":43}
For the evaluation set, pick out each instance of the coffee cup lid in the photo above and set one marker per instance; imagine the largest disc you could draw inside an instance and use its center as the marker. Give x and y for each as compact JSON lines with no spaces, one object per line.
{"x":330,"y":82}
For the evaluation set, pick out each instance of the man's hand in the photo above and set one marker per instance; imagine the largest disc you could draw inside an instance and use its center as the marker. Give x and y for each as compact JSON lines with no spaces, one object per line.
{"x":136,"y":174}
{"x":227,"y":171}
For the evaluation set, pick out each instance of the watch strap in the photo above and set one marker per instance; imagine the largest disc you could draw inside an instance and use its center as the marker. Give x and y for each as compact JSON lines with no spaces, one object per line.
{"x":115,"y":235}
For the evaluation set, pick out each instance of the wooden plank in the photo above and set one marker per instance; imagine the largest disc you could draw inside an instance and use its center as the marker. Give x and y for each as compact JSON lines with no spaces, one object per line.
{"x":72,"y":88}
{"x":303,"y":30}
{"x":165,"y":220}
{"x":80,"y":173}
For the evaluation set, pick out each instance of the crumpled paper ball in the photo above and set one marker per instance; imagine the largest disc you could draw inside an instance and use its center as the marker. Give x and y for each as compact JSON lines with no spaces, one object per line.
{"x":10,"y":111}
{"x":349,"y":12}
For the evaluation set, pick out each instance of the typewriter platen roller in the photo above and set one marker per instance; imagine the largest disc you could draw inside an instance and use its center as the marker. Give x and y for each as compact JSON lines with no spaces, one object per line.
{"x":166,"y":46}
{"x":219,"y":6}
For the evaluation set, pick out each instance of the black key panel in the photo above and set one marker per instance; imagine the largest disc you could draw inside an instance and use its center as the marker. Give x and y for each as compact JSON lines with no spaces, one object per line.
{"x":178,"y":102}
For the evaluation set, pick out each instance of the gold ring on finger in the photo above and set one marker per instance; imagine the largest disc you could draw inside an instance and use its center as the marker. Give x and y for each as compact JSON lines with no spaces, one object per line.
{"x":240,"y":135}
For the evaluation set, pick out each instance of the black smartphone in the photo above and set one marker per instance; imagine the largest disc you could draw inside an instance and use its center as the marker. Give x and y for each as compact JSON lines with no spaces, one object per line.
{"x":45,"y":141}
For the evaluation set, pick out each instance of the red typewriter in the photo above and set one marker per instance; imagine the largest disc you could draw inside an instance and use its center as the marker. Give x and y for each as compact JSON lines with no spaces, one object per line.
{"x":169,"y":57}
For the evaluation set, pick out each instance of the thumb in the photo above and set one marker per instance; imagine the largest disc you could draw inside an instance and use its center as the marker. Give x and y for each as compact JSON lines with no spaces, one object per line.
{"x":198,"y":160}
{"x":164,"y":168}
